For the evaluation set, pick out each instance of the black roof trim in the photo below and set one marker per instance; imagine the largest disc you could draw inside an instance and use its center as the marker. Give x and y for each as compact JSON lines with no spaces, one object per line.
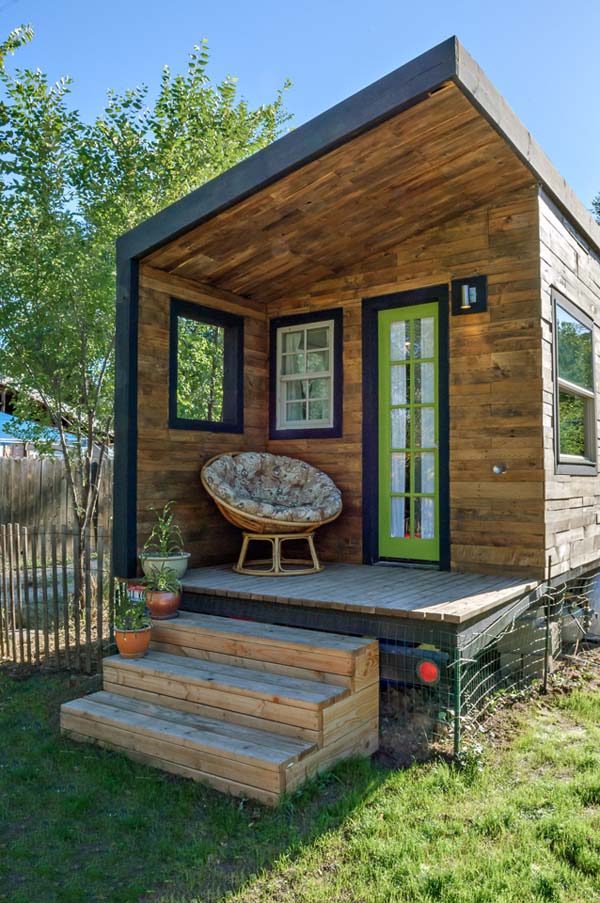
{"x":406,"y":86}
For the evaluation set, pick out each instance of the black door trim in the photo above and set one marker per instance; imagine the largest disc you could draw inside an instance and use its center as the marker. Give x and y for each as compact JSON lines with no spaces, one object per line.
{"x":370,"y":310}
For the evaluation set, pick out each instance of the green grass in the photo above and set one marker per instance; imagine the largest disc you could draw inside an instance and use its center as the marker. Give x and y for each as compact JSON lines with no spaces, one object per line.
{"x":519,"y":824}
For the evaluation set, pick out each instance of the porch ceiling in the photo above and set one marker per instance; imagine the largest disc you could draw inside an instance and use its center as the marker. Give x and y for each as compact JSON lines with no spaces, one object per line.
{"x":422,"y":167}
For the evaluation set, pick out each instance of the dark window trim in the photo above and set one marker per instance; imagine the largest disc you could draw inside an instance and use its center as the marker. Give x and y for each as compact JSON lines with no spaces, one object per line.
{"x":333,"y":432}
{"x":370,"y":365}
{"x":572,"y":468}
{"x":233,"y":379}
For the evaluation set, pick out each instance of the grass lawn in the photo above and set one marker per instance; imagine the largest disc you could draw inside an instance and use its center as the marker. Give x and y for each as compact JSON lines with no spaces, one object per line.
{"x":520,"y":823}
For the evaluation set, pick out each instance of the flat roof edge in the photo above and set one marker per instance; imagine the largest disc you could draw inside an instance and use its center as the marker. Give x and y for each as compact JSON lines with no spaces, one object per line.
{"x":475,"y":84}
{"x":382,"y":99}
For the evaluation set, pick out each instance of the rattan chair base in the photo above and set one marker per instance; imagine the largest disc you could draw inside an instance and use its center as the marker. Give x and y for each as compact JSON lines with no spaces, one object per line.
{"x":277,"y":565}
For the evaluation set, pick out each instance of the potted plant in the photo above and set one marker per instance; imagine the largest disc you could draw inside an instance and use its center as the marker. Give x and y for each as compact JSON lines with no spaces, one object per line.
{"x":164,"y":546}
{"x":132,"y":621}
{"x":163,"y":593}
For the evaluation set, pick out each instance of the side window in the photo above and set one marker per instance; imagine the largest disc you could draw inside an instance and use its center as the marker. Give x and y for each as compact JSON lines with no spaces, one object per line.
{"x":206,"y":369}
{"x":306,"y":375}
{"x":575,"y":404}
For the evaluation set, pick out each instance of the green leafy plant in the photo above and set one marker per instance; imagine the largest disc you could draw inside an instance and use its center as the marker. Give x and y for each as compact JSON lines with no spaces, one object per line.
{"x":130,"y":612}
{"x":165,"y":538}
{"x":162,"y":580}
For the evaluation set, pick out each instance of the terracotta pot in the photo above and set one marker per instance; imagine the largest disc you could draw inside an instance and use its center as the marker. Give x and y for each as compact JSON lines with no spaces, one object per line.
{"x":133,"y":643}
{"x":163,"y":606}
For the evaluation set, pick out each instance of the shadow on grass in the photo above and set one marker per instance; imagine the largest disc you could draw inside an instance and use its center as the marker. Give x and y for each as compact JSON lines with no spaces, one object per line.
{"x":78,"y":823}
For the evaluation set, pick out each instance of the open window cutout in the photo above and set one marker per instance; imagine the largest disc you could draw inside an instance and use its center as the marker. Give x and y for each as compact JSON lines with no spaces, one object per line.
{"x":206,"y":369}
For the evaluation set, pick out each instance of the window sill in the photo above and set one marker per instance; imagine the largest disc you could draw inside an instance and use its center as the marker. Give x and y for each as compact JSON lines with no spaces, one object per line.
{"x":582,"y":469}
{"x":332,"y":432}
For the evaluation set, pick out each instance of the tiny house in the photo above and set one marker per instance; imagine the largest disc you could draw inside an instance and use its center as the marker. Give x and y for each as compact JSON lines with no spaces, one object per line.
{"x":403,"y":292}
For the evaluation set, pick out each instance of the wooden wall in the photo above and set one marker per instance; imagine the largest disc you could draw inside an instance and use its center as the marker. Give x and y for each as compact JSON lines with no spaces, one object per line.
{"x":169,"y":461}
{"x":497,"y":522}
{"x":572,"y":502}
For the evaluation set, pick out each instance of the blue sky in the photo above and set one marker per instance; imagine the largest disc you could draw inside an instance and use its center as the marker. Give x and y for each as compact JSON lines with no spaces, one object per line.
{"x":541,"y":54}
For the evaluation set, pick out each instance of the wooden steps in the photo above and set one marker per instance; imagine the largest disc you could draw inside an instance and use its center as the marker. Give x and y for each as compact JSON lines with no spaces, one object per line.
{"x":250,"y":709}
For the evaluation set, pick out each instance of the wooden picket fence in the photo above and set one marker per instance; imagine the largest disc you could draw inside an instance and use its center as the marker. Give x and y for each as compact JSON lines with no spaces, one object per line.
{"x":50,"y":614}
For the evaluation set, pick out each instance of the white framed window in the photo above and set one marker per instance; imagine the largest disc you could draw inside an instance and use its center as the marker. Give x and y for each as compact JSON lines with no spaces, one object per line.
{"x":305,"y":376}
{"x":574,"y":387}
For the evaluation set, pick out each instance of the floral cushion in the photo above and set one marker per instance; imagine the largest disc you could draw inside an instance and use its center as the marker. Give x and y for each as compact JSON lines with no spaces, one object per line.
{"x":274,"y":486}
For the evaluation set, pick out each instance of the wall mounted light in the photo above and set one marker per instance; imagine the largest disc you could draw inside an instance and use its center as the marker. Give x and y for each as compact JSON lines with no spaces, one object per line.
{"x":499,"y":468}
{"x":469,"y":296}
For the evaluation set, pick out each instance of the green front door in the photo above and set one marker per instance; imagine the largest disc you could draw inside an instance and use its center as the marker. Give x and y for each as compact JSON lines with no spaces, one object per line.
{"x":408,"y":433}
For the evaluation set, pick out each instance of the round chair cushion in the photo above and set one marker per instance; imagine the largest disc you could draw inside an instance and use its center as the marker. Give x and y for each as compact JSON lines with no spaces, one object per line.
{"x":274,"y":486}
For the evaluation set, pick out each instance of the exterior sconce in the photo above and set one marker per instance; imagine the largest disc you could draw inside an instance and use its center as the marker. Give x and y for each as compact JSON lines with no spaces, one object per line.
{"x":499,"y":468}
{"x":469,"y":296}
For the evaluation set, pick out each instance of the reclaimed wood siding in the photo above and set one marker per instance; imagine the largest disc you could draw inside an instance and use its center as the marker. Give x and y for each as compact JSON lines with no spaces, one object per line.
{"x":572,"y":502}
{"x":169,"y":461}
{"x":497,"y":522}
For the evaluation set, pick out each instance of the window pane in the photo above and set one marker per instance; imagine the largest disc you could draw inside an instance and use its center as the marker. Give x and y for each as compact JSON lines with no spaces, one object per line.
{"x":400,"y":427}
{"x":200,"y":361}
{"x":295,"y":389}
{"x":424,"y":389}
{"x":572,"y":424}
{"x":423,"y":344}
{"x":318,"y":410}
{"x":296,"y":411}
{"x":425,"y":472}
{"x":317,"y":361}
{"x":317,"y":338}
{"x":399,"y":341}
{"x":292,"y":363}
{"x":318,"y":388}
{"x":400,"y":517}
{"x":574,"y":350}
{"x":400,"y":376}
{"x":293,"y":341}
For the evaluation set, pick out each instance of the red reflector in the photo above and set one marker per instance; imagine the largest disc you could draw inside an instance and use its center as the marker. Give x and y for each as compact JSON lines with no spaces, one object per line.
{"x":428,"y":672}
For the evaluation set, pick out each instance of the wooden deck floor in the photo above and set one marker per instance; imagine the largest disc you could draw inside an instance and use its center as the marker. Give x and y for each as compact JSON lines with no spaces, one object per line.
{"x":385,"y":590}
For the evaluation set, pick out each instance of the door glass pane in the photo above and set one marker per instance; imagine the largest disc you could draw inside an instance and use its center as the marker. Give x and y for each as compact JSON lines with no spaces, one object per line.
{"x":424,"y":383}
{"x":399,"y":341}
{"x":424,"y":421}
{"x":424,"y":519}
{"x":400,"y":378}
{"x":423,"y":341}
{"x":400,"y":517}
{"x":400,"y":427}
{"x":425,"y":472}
{"x":400,"y":472}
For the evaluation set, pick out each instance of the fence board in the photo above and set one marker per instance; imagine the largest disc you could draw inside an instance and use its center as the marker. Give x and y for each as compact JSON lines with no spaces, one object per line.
{"x":34,"y":493}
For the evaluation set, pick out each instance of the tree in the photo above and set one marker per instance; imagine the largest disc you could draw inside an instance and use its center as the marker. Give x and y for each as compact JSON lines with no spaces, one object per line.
{"x":68,"y":189}
{"x":596,"y":207}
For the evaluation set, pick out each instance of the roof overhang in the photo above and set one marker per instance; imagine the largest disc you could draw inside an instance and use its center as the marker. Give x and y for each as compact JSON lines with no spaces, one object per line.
{"x":385,"y":98}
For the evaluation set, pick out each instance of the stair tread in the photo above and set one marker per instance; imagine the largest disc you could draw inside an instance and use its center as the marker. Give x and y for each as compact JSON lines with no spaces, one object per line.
{"x":271,"y":751}
{"x":234,"y":677}
{"x":267,"y":633}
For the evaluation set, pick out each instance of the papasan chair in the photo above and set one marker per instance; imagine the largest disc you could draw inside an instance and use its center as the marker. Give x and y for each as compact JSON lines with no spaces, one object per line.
{"x":274,"y":499}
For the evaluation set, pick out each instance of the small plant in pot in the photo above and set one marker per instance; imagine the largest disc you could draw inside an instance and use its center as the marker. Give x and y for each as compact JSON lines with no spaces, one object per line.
{"x":132,"y":621}
{"x":164,"y":546}
{"x":163,"y":594}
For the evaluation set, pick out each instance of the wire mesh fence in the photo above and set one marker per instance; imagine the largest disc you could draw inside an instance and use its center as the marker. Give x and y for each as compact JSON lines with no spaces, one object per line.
{"x":55,"y":596}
